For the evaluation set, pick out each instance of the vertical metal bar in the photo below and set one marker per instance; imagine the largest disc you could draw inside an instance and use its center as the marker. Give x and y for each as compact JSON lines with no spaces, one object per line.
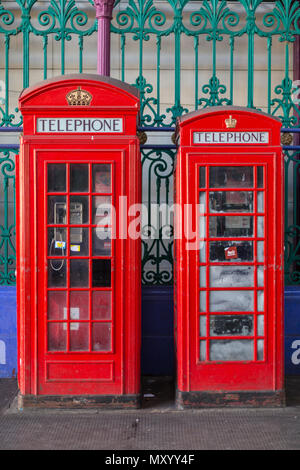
{"x":231,"y":43}
{"x":196,"y":48}
{"x":123,"y":43}
{"x":269,"y":72}
{"x":45,"y":44}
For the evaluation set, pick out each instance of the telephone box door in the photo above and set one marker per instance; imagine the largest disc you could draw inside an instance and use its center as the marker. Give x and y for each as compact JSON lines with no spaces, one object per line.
{"x":230,"y":329}
{"x":80,"y":333}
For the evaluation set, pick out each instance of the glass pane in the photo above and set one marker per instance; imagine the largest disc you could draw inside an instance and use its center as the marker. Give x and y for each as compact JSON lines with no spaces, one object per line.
{"x":57,"y":273}
{"x":101,"y":178}
{"x":203,"y":301}
{"x":260,"y":276}
{"x":234,"y":251}
{"x":231,"y":276}
{"x":260,"y":201}
{"x":101,"y":305}
{"x":260,"y":349}
{"x":102,"y":210}
{"x":202,"y":251}
{"x":56,"y":177}
{"x":79,"y":305}
{"x":231,"y":350}
{"x":57,"y":210}
{"x":203,"y":325}
{"x":101,"y":273}
{"x":57,"y":241}
{"x":202,"y":350}
{"x":229,"y":325}
{"x":260,"y":300}
{"x":260,"y":251}
{"x":79,"y":210}
{"x":79,"y":241}
{"x":202,"y":227}
{"x":101,"y":336}
{"x":260,"y":325}
{"x":57,"y":302}
{"x":79,"y":273}
{"x":231,"y":177}
{"x":231,"y":301}
{"x":260,"y":226}
{"x":79,"y":177}
{"x":231,"y":225}
{"x":231,"y":201}
{"x":79,"y":336}
{"x":202,"y":202}
{"x":260,"y":177}
{"x":202,"y":177}
{"x":102,"y":241}
{"x":202,"y":276}
{"x":57,"y":336}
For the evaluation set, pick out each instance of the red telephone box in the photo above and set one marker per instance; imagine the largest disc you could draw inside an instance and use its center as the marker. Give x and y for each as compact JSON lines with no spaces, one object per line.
{"x":78,"y":273}
{"x":229,"y":258}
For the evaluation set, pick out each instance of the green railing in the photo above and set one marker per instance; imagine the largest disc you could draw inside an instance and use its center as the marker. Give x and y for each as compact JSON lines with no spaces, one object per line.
{"x":181,"y":55}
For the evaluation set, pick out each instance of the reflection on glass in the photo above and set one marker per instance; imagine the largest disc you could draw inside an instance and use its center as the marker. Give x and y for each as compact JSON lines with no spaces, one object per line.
{"x":260,"y":300}
{"x":79,"y":273}
{"x":203,"y":325}
{"x":202,"y":202}
{"x":231,"y":350}
{"x":79,"y":177}
{"x":202,"y":276}
{"x":57,"y":273}
{"x":57,"y":303}
{"x":260,"y":201}
{"x":57,"y":336}
{"x":101,"y":178}
{"x":57,"y":210}
{"x":102,"y":241}
{"x":79,"y":210}
{"x":101,"y":336}
{"x":202,"y":301}
{"x":57,"y":241}
{"x":79,"y":305}
{"x":231,"y":276}
{"x":260,"y":349}
{"x":79,"y":241}
{"x":101,"y":305}
{"x":260,"y":226}
{"x":231,"y":201}
{"x":79,"y":336}
{"x":260,"y":276}
{"x":260,"y":325}
{"x":202,"y":177}
{"x":56,"y":177}
{"x":231,"y":301}
{"x":102,"y":210}
{"x":202,"y":251}
{"x":231,"y":177}
{"x":231,"y":225}
{"x":260,"y":251}
{"x":232,"y":250}
{"x":101,"y":272}
{"x":202,"y":350}
{"x":230,"y":325}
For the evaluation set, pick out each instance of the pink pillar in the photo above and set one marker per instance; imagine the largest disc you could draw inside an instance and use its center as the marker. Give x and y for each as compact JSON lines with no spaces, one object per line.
{"x":104,"y":10}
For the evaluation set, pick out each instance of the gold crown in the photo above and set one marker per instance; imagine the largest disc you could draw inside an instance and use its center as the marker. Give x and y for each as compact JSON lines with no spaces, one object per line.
{"x":79,"y":97}
{"x":230,"y":123}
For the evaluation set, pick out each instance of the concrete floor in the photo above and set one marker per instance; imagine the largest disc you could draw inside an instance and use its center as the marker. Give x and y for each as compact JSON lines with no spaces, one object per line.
{"x":156,"y":426}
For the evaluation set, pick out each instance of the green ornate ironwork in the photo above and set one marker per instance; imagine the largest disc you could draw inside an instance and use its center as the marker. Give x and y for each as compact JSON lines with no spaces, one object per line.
{"x":207,"y":25}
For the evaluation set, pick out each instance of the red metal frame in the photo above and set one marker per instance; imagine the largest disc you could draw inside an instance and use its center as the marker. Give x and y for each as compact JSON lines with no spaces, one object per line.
{"x":196,"y":375}
{"x":113,"y":372}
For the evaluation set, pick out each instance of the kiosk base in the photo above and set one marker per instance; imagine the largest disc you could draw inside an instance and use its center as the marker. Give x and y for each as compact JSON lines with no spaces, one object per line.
{"x":79,"y":401}
{"x":231,"y":399}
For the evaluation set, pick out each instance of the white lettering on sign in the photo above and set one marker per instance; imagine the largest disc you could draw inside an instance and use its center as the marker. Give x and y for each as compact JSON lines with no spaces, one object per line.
{"x":2,"y":352}
{"x":296,"y":354}
{"x":244,"y":137}
{"x":80,"y":125}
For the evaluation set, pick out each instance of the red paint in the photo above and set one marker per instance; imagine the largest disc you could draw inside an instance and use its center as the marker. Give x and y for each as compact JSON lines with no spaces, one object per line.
{"x":205,"y":370}
{"x":79,"y":331}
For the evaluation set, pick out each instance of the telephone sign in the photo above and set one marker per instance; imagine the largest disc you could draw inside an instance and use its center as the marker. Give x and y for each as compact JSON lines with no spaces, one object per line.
{"x":78,"y":281}
{"x":229,"y":282}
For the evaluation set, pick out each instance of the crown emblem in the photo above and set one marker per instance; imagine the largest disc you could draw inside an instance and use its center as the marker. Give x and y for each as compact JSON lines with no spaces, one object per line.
{"x":79,"y":97}
{"x":230,"y":123}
